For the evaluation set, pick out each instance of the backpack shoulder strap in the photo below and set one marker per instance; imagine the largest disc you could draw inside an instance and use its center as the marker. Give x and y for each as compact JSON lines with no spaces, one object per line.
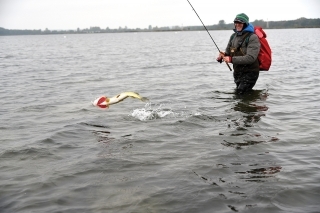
{"x":247,"y":38}
{"x":232,"y":36}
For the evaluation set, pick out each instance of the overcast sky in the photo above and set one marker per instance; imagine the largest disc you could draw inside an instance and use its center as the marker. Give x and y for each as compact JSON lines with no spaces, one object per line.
{"x":73,"y":14}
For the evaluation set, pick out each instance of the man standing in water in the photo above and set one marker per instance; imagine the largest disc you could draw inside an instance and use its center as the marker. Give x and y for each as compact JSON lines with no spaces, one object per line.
{"x":242,"y":51}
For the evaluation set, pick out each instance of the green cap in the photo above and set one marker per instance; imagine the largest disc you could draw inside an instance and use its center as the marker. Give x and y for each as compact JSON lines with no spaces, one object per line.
{"x":243,"y":18}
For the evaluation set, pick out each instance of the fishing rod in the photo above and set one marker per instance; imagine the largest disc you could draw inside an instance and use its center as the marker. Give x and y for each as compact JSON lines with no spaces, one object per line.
{"x":208,"y":33}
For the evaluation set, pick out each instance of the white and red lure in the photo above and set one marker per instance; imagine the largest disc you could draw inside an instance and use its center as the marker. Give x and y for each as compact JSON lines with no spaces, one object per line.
{"x":101,"y":102}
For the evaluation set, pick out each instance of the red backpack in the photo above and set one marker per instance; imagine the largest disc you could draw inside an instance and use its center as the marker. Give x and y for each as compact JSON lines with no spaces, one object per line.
{"x":264,"y":56}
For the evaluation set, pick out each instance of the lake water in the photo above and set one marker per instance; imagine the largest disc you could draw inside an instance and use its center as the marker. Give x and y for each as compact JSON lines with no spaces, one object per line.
{"x":195,"y":147}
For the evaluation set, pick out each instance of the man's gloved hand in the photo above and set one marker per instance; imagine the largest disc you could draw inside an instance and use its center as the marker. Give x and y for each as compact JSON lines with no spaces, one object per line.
{"x":227,"y":59}
{"x":220,"y":57}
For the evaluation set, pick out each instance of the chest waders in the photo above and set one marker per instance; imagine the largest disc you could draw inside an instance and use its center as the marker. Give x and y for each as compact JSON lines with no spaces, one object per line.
{"x":245,"y":75}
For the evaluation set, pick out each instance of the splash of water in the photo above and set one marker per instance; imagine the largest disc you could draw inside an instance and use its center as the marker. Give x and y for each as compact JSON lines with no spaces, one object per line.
{"x":150,"y":112}
{"x":153,"y":111}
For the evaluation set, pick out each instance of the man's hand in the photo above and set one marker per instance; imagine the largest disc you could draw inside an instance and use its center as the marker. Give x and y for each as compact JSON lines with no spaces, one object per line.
{"x":227,"y":59}
{"x":220,"y":57}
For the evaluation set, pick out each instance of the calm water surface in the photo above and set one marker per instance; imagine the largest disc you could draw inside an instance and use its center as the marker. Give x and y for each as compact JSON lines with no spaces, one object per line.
{"x":195,"y":147}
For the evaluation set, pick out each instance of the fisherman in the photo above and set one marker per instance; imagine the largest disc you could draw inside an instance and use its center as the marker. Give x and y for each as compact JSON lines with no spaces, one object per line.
{"x":242,"y":51}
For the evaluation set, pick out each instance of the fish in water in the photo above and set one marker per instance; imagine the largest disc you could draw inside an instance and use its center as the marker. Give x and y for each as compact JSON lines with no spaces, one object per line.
{"x":104,"y":102}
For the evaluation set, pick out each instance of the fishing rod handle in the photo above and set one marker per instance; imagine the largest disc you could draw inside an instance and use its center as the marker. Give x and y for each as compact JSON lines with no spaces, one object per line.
{"x":223,"y":54}
{"x":228,"y":66}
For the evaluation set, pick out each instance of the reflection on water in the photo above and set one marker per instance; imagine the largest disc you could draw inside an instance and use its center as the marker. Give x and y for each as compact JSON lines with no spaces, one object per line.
{"x":100,"y":131}
{"x":251,"y":107}
{"x":247,"y":111}
{"x":259,"y":174}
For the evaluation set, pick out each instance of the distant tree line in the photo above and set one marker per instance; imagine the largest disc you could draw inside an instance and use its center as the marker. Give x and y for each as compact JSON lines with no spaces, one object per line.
{"x":298,"y":23}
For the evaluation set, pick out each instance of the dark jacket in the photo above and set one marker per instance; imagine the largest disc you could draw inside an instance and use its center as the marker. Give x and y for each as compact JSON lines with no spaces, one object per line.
{"x":244,"y":58}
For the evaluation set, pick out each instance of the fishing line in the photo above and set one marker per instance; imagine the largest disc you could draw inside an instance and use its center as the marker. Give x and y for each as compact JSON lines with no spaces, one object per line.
{"x":208,"y":32}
